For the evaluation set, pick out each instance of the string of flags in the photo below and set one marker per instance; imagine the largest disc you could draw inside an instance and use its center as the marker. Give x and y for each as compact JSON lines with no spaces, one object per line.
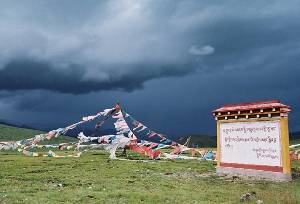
{"x":125,"y":137}
{"x":140,"y":127}
{"x":26,"y":144}
{"x":164,"y":142}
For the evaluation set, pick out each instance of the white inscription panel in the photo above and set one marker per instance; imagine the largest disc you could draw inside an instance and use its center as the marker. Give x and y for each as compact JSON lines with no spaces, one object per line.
{"x":255,"y":143}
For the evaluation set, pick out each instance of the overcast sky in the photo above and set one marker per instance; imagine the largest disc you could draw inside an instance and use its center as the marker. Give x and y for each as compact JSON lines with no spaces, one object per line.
{"x":168,"y":62}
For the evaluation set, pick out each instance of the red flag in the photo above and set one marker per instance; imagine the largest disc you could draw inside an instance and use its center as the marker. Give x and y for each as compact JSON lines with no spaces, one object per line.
{"x":146,"y":151}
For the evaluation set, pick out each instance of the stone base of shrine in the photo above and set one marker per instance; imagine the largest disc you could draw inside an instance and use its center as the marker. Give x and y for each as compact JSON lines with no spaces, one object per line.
{"x":252,"y":173}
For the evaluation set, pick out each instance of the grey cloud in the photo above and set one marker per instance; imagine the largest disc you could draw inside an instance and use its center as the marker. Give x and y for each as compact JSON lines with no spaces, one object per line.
{"x":30,"y":75}
{"x":79,"y":49}
{"x":102,"y":46}
{"x":112,"y":45}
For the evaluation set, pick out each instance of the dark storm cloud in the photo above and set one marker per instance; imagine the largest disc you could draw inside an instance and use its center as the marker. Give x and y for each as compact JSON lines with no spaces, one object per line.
{"x":72,"y":47}
{"x":221,"y":52}
{"x":30,"y":75}
{"x":110,"y":45}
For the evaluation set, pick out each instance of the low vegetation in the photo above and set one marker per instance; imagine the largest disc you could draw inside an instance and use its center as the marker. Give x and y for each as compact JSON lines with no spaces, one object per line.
{"x":93,"y":178}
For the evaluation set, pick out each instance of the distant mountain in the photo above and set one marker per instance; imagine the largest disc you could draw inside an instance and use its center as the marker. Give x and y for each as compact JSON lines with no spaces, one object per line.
{"x":3,"y":122}
{"x":88,"y":130}
{"x":12,"y":133}
{"x":198,"y":140}
{"x":295,"y":135}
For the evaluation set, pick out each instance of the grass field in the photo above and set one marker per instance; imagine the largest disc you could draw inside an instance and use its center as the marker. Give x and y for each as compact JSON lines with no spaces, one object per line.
{"x":93,"y":179}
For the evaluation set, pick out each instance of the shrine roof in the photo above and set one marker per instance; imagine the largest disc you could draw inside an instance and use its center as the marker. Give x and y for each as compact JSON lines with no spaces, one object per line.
{"x":252,"y":106}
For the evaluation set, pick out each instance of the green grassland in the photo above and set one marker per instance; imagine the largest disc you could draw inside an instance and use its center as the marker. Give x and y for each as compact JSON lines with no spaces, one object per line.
{"x":93,"y":178}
